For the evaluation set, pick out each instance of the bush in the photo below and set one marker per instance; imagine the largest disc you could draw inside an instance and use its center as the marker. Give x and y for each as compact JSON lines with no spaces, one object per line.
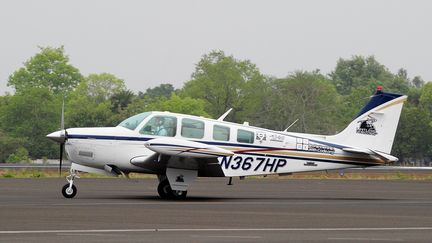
{"x":20,"y":155}
{"x":8,"y":175}
{"x":8,"y":145}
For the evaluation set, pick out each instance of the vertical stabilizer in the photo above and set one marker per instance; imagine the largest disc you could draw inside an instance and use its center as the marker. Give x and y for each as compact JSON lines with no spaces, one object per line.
{"x":375,"y":125}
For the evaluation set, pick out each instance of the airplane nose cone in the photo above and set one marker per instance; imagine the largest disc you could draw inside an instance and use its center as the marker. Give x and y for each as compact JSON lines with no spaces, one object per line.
{"x":58,"y":136}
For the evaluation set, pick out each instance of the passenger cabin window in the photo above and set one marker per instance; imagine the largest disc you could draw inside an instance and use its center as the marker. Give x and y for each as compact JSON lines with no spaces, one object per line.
{"x":161,"y":126}
{"x":192,"y":128}
{"x":132,"y":122}
{"x":221,"y":133}
{"x":245,"y":136}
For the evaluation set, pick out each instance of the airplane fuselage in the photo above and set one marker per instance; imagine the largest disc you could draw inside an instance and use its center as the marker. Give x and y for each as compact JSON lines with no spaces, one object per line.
{"x":256,"y":151}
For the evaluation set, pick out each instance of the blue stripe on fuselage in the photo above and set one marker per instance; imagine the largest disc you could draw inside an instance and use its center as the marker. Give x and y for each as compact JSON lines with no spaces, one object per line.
{"x":104,"y":137}
{"x":124,"y":138}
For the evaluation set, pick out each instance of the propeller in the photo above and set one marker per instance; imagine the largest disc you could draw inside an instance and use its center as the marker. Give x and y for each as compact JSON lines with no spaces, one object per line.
{"x":61,"y":158}
{"x":62,"y":144}
{"x":60,"y":137}
{"x":65,"y":137}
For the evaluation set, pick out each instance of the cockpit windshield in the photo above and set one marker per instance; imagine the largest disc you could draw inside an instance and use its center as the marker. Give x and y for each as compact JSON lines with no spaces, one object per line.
{"x":132,"y":122}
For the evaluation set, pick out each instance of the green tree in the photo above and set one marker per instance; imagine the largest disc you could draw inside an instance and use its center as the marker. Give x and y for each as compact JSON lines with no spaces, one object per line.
{"x":426,"y":97}
{"x":163,"y":90}
{"x":306,"y":96}
{"x":417,"y":82}
{"x":120,"y":100}
{"x":414,"y":95}
{"x":224,"y":82}
{"x":8,"y":145}
{"x":102,"y":86}
{"x":20,"y":155}
{"x":359,"y":71}
{"x":83,"y":111}
{"x":95,"y":99}
{"x":413,"y":142}
{"x":49,"y":69}
{"x":31,"y":115}
{"x":177,"y":104}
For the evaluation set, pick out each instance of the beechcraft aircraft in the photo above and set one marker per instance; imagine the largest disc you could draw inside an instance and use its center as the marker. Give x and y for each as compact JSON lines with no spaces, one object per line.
{"x":178,"y":148}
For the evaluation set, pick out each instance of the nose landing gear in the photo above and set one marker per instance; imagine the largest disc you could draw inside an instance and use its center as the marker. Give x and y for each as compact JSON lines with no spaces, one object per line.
{"x":69,"y":190}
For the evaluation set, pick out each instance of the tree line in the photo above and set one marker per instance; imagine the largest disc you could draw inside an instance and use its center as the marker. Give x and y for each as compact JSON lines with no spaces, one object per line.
{"x":322,"y":103}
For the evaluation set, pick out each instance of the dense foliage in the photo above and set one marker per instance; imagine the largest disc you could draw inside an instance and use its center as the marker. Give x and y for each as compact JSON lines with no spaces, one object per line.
{"x":322,"y":103}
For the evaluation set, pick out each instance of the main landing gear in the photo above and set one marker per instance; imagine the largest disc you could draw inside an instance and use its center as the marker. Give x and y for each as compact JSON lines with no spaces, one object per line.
{"x":69,"y":190}
{"x":165,"y":191}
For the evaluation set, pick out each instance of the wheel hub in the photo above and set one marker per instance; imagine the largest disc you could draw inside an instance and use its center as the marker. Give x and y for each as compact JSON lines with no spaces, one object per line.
{"x":69,"y":191}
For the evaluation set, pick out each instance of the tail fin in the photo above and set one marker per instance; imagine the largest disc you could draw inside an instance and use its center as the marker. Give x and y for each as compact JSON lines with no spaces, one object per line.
{"x":375,"y":125}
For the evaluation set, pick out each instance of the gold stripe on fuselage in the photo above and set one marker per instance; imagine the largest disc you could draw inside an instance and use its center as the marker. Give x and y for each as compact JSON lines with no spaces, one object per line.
{"x":306,"y":154}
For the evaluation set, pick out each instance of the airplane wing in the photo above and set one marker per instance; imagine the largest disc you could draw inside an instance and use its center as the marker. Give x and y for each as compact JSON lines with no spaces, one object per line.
{"x":182,"y":154}
{"x":185,"y":148}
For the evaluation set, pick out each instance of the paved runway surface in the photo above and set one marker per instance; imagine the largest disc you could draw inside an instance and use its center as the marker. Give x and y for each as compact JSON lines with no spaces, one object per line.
{"x":262,"y":210}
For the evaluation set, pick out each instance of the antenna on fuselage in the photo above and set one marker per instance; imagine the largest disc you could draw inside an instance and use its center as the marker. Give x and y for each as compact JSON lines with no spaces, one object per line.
{"x":292,"y":124}
{"x":221,"y":118}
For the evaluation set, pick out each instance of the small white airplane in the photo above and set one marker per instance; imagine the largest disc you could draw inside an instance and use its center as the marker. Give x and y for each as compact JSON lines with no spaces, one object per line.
{"x":178,"y":148}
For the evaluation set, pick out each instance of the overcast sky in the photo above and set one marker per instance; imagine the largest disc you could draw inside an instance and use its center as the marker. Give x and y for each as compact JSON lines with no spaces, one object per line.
{"x":147,"y":43}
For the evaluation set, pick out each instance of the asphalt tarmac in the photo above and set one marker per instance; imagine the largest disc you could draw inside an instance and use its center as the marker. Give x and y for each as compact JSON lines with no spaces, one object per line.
{"x":252,"y":210}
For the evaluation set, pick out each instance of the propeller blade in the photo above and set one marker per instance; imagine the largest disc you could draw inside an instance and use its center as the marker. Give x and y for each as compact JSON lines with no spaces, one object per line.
{"x":65,"y":136}
{"x":61,"y":157}
{"x":62,"y":117}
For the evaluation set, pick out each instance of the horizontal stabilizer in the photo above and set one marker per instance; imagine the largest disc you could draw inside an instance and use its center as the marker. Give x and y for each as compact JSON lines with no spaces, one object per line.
{"x":184,"y":148}
{"x":358,"y":151}
{"x":395,"y":168}
{"x":387,"y":157}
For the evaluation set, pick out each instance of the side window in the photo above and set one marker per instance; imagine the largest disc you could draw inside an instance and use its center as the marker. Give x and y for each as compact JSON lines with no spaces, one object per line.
{"x":160,"y":126}
{"x":245,"y":136}
{"x":221,"y":133}
{"x":192,"y":128}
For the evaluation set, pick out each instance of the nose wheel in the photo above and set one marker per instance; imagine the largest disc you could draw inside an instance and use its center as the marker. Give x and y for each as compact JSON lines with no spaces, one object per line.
{"x":69,"y":190}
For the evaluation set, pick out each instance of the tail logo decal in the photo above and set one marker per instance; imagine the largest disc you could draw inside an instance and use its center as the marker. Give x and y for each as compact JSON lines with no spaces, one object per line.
{"x":366,"y":126}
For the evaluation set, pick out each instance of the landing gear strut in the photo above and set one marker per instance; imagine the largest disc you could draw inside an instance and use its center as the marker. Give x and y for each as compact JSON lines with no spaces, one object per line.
{"x":69,"y":190}
{"x":165,"y":191}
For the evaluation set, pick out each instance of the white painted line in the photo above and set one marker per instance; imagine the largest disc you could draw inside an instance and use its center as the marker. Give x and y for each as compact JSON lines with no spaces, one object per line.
{"x":365,"y":239}
{"x":208,"y":229}
{"x":186,"y":203}
{"x":79,"y":234}
{"x":227,"y":236}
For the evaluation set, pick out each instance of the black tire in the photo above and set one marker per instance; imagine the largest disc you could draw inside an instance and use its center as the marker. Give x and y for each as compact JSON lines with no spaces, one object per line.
{"x":165,"y":192}
{"x":67,"y":193}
